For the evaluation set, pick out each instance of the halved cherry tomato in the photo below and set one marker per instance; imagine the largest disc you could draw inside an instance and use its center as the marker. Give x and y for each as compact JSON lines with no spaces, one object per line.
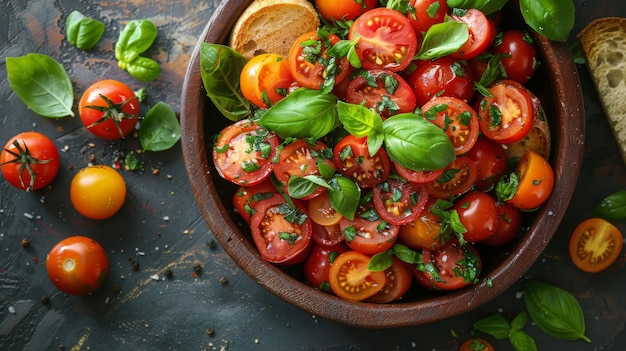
{"x":481,"y":33}
{"x":476,"y":344}
{"x":426,"y":13}
{"x":321,"y":211}
{"x":308,"y":61}
{"x":368,"y":232}
{"x":353,"y":160}
{"x":327,"y":235}
{"x":424,"y":231}
{"x":506,"y":116}
{"x":384,"y":91}
{"x":350,"y":279}
{"x":398,"y":201}
{"x":265,"y":79}
{"x":491,"y":162}
{"x":418,"y":177}
{"x":343,"y":9}
{"x":398,"y":282}
{"x":456,"y":118}
{"x":77,"y":265}
{"x":478,"y":213}
{"x":301,"y":159}
{"x":282,"y":234}
{"x":451,"y":267}
{"x":536,"y":181}
{"x":517,"y":53}
{"x":317,"y":265}
{"x":595,"y":244}
{"x":458,"y":178}
{"x":30,"y":161}
{"x":245,"y":198}
{"x":441,"y":77}
{"x":509,"y":225}
{"x":386,"y":39}
{"x":243,"y":153}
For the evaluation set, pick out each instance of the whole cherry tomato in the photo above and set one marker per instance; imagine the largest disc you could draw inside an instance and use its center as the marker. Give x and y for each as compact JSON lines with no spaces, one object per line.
{"x":343,"y":9}
{"x":517,"y":53}
{"x":97,"y":192}
{"x":29,"y":161}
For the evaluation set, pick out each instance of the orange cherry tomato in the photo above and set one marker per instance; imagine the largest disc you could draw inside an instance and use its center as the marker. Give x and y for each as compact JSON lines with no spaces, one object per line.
{"x":350,"y":279}
{"x":595,"y":244}
{"x":476,"y":344}
{"x":321,"y":212}
{"x":77,"y":265}
{"x":265,"y":79}
{"x":98,"y":192}
{"x":424,"y":231}
{"x":347,"y":10}
{"x":535,"y":183}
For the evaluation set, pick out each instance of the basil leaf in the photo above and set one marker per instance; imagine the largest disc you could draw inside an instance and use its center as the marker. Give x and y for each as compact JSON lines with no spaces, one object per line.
{"x":375,"y":140}
{"x":144,"y":69}
{"x":416,"y":143}
{"x":405,"y":254}
{"x":159,"y":130}
{"x":136,"y":37}
{"x":42,"y":84}
{"x":555,"y":311}
{"x":552,"y":18}
{"x":358,"y":120}
{"x":612,"y":208}
{"x":220,"y":67}
{"x":442,"y":39}
{"x":299,"y":187}
{"x":522,"y":341}
{"x":485,"y":6}
{"x":344,"y":196}
{"x":519,"y":321}
{"x":305,"y":113}
{"x":82,"y":31}
{"x":380,"y":261}
{"x":495,"y":325}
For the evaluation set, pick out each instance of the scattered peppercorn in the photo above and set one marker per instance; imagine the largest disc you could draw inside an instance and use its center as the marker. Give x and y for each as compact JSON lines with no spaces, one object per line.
{"x":168,"y":273}
{"x":117,"y":288}
{"x":197,"y":268}
{"x":134,"y":264}
{"x":223,"y":280}
{"x":45,"y":300}
{"x":211,"y":244}
{"x":210,"y":331}
{"x":25,"y":243}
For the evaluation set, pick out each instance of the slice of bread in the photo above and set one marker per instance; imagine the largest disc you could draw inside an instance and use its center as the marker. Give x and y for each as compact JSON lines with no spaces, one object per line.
{"x":271,"y":26}
{"x":603,"y":43}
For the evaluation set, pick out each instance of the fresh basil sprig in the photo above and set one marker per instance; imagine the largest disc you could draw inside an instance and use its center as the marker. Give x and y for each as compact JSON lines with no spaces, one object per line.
{"x":344,"y":196}
{"x":485,"y":6}
{"x":159,"y":130}
{"x":552,"y":18}
{"x":82,"y":31}
{"x":555,"y":311}
{"x":137,"y":37}
{"x":220,"y":67}
{"x":42,"y":84}
{"x":612,"y":208}
{"x":442,"y":39}
{"x":500,"y":328}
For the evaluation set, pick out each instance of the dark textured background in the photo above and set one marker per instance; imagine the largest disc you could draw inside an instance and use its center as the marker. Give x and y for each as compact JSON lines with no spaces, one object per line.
{"x":160,"y":227}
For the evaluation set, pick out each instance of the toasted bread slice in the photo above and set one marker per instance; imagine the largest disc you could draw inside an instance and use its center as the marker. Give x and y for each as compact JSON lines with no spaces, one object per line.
{"x":271,"y":26}
{"x":538,"y":140}
{"x":603,"y":43}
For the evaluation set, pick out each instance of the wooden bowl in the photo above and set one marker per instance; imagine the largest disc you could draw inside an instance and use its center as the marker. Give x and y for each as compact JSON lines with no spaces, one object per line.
{"x":556,"y":83}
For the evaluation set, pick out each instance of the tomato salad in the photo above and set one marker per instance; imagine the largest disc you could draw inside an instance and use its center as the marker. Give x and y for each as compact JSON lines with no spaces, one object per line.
{"x":374,"y":154}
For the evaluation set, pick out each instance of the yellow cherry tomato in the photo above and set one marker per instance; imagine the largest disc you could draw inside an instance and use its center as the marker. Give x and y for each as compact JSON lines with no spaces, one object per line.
{"x":97,"y":192}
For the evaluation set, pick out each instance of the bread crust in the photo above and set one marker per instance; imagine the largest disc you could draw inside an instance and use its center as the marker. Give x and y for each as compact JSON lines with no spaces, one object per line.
{"x":271,"y":26}
{"x":603,"y":42}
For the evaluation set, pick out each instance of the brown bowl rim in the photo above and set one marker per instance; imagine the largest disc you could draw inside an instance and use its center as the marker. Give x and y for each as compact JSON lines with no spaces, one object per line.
{"x":361,"y":314}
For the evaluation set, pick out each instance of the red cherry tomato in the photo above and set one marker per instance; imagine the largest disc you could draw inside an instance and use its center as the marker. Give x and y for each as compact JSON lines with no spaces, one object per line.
{"x":384,"y":91}
{"x":479,"y":214}
{"x":281,"y":236}
{"x":399,"y":202}
{"x":517,"y":53}
{"x":109,"y":109}
{"x":476,"y":344}
{"x":427,"y":13}
{"x":306,"y":61}
{"x":509,"y":225}
{"x":368,"y":232}
{"x":441,"y":77}
{"x":30,"y":161}
{"x":353,"y":160}
{"x":350,"y":279}
{"x":536,"y":181}
{"x":456,"y":118}
{"x":457,"y":178}
{"x":317,"y":265}
{"x":245,"y":198}
{"x":418,"y":177}
{"x":452,"y":266}
{"x":398,"y":282}
{"x":327,"y":235}
{"x":343,"y":9}
{"x":243,"y":153}
{"x":481,"y":33}
{"x":491,"y":162}
{"x":265,"y":79}
{"x":301,"y":159}
{"x":77,"y":265}
{"x":506,"y":116}
{"x":386,"y":39}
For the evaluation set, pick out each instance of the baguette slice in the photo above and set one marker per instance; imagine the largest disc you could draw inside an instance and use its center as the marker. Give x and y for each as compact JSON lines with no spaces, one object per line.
{"x":271,"y":26}
{"x":603,"y":43}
